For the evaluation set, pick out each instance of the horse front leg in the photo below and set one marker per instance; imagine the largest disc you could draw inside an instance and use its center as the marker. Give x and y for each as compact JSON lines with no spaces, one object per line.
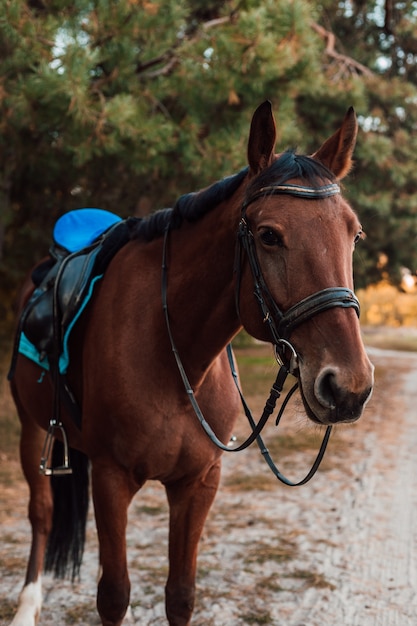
{"x":40,"y":516}
{"x":112,"y":495}
{"x":190,"y":502}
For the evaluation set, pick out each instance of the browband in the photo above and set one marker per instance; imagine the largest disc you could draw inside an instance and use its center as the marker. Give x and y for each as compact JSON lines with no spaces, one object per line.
{"x":324,"y":191}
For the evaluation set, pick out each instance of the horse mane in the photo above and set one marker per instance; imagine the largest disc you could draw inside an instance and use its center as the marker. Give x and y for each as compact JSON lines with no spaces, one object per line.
{"x":192,"y":206}
{"x":290,"y":165}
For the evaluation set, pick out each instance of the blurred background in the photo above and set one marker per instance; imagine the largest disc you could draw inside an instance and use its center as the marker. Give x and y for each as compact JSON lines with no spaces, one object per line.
{"x":126,"y":105}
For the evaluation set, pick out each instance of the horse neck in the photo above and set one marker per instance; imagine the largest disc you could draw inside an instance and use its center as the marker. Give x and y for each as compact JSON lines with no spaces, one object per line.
{"x":201,"y":285}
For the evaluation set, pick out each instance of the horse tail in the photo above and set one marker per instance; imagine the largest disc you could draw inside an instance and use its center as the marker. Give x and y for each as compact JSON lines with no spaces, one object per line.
{"x":66,"y":540}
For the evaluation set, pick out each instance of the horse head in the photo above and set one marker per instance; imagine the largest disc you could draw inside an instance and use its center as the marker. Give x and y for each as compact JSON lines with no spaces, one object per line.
{"x":299,"y":234}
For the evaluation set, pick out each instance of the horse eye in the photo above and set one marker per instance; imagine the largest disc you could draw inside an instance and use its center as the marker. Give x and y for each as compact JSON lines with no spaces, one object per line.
{"x":358,"y":237}
{"x":271,"y":238}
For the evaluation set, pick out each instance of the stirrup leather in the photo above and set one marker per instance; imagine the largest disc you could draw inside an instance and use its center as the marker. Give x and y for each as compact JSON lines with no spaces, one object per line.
{"x":59,"y":470}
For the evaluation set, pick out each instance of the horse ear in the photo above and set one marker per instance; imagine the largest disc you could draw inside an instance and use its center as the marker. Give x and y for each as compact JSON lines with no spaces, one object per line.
{"x":262,"y":138}
{"x":336,"y":152}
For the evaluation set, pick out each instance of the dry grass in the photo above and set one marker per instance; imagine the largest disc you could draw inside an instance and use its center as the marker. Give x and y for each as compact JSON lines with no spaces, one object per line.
{"x":384,"y":305}
{"x":7,"y":610}
{"x":83,"y":613}
{"x":312,"y":579}
{"x":258,"y":618}
{"x":278,"y":551}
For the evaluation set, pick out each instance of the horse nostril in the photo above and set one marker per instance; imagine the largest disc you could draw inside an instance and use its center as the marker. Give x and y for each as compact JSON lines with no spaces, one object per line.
{"x":339,"y":397}
{"x":327,"y":389}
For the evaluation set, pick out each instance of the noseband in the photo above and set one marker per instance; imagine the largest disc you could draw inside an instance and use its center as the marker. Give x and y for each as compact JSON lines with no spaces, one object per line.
{"x":282,"y":324}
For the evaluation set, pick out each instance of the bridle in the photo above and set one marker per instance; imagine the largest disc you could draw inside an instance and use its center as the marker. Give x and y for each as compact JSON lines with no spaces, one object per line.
{"x":281,"y":324}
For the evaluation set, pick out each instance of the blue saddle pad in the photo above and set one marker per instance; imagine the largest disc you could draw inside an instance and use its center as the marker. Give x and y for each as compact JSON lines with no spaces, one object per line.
{"x":78,"y":229}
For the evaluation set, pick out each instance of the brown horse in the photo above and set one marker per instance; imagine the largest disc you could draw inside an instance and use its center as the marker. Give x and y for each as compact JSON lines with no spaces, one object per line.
{"x":298,"y":235}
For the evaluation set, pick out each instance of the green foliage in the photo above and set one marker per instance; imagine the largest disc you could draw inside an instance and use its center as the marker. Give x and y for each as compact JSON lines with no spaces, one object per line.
{"x":128,"y":104}
{"x":384,"y":180}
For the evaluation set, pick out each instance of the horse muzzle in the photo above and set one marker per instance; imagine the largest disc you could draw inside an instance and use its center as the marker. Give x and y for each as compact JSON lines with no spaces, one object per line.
{"x":337,"y":395}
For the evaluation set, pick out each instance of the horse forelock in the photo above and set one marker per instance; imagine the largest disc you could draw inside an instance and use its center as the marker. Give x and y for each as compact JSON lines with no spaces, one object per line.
{"x":190,"y":207}
{"x":288,"y":166}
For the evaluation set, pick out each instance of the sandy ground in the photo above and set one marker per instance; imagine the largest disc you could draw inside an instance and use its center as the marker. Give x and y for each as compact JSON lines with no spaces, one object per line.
{"x":341,"y":550}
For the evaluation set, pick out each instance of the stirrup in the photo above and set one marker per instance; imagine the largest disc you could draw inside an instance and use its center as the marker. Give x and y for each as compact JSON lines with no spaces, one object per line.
{"x":60,"y":470}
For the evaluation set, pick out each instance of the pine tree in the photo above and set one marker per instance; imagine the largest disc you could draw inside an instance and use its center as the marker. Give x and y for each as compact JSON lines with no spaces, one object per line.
{"x":128,"y":104}
{"x":383,"y":186}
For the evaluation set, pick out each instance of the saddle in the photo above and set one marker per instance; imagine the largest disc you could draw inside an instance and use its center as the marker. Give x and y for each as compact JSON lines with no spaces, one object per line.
{"x":84,"y":242}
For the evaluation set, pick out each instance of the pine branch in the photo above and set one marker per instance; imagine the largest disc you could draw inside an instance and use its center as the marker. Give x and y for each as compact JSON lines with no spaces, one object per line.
{"x":166,"y":69}
{"x":346,"y":63}
{"x":170,"y":57}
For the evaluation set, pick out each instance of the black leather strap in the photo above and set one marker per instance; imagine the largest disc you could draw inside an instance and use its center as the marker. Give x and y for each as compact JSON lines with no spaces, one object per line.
{"x":299,"y":191}
{"x":281,"y":323}
{"x":314,"y":304}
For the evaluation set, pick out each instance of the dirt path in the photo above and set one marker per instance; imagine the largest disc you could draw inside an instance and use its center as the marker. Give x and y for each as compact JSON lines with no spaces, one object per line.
{"x":339,"y":551}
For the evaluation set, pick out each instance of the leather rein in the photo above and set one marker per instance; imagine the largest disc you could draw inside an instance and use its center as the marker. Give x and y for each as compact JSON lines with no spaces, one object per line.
{"x":281,"y":324}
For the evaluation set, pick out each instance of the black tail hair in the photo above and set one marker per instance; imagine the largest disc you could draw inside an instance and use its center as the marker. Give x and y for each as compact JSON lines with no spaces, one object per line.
{"x":66,"y":541}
